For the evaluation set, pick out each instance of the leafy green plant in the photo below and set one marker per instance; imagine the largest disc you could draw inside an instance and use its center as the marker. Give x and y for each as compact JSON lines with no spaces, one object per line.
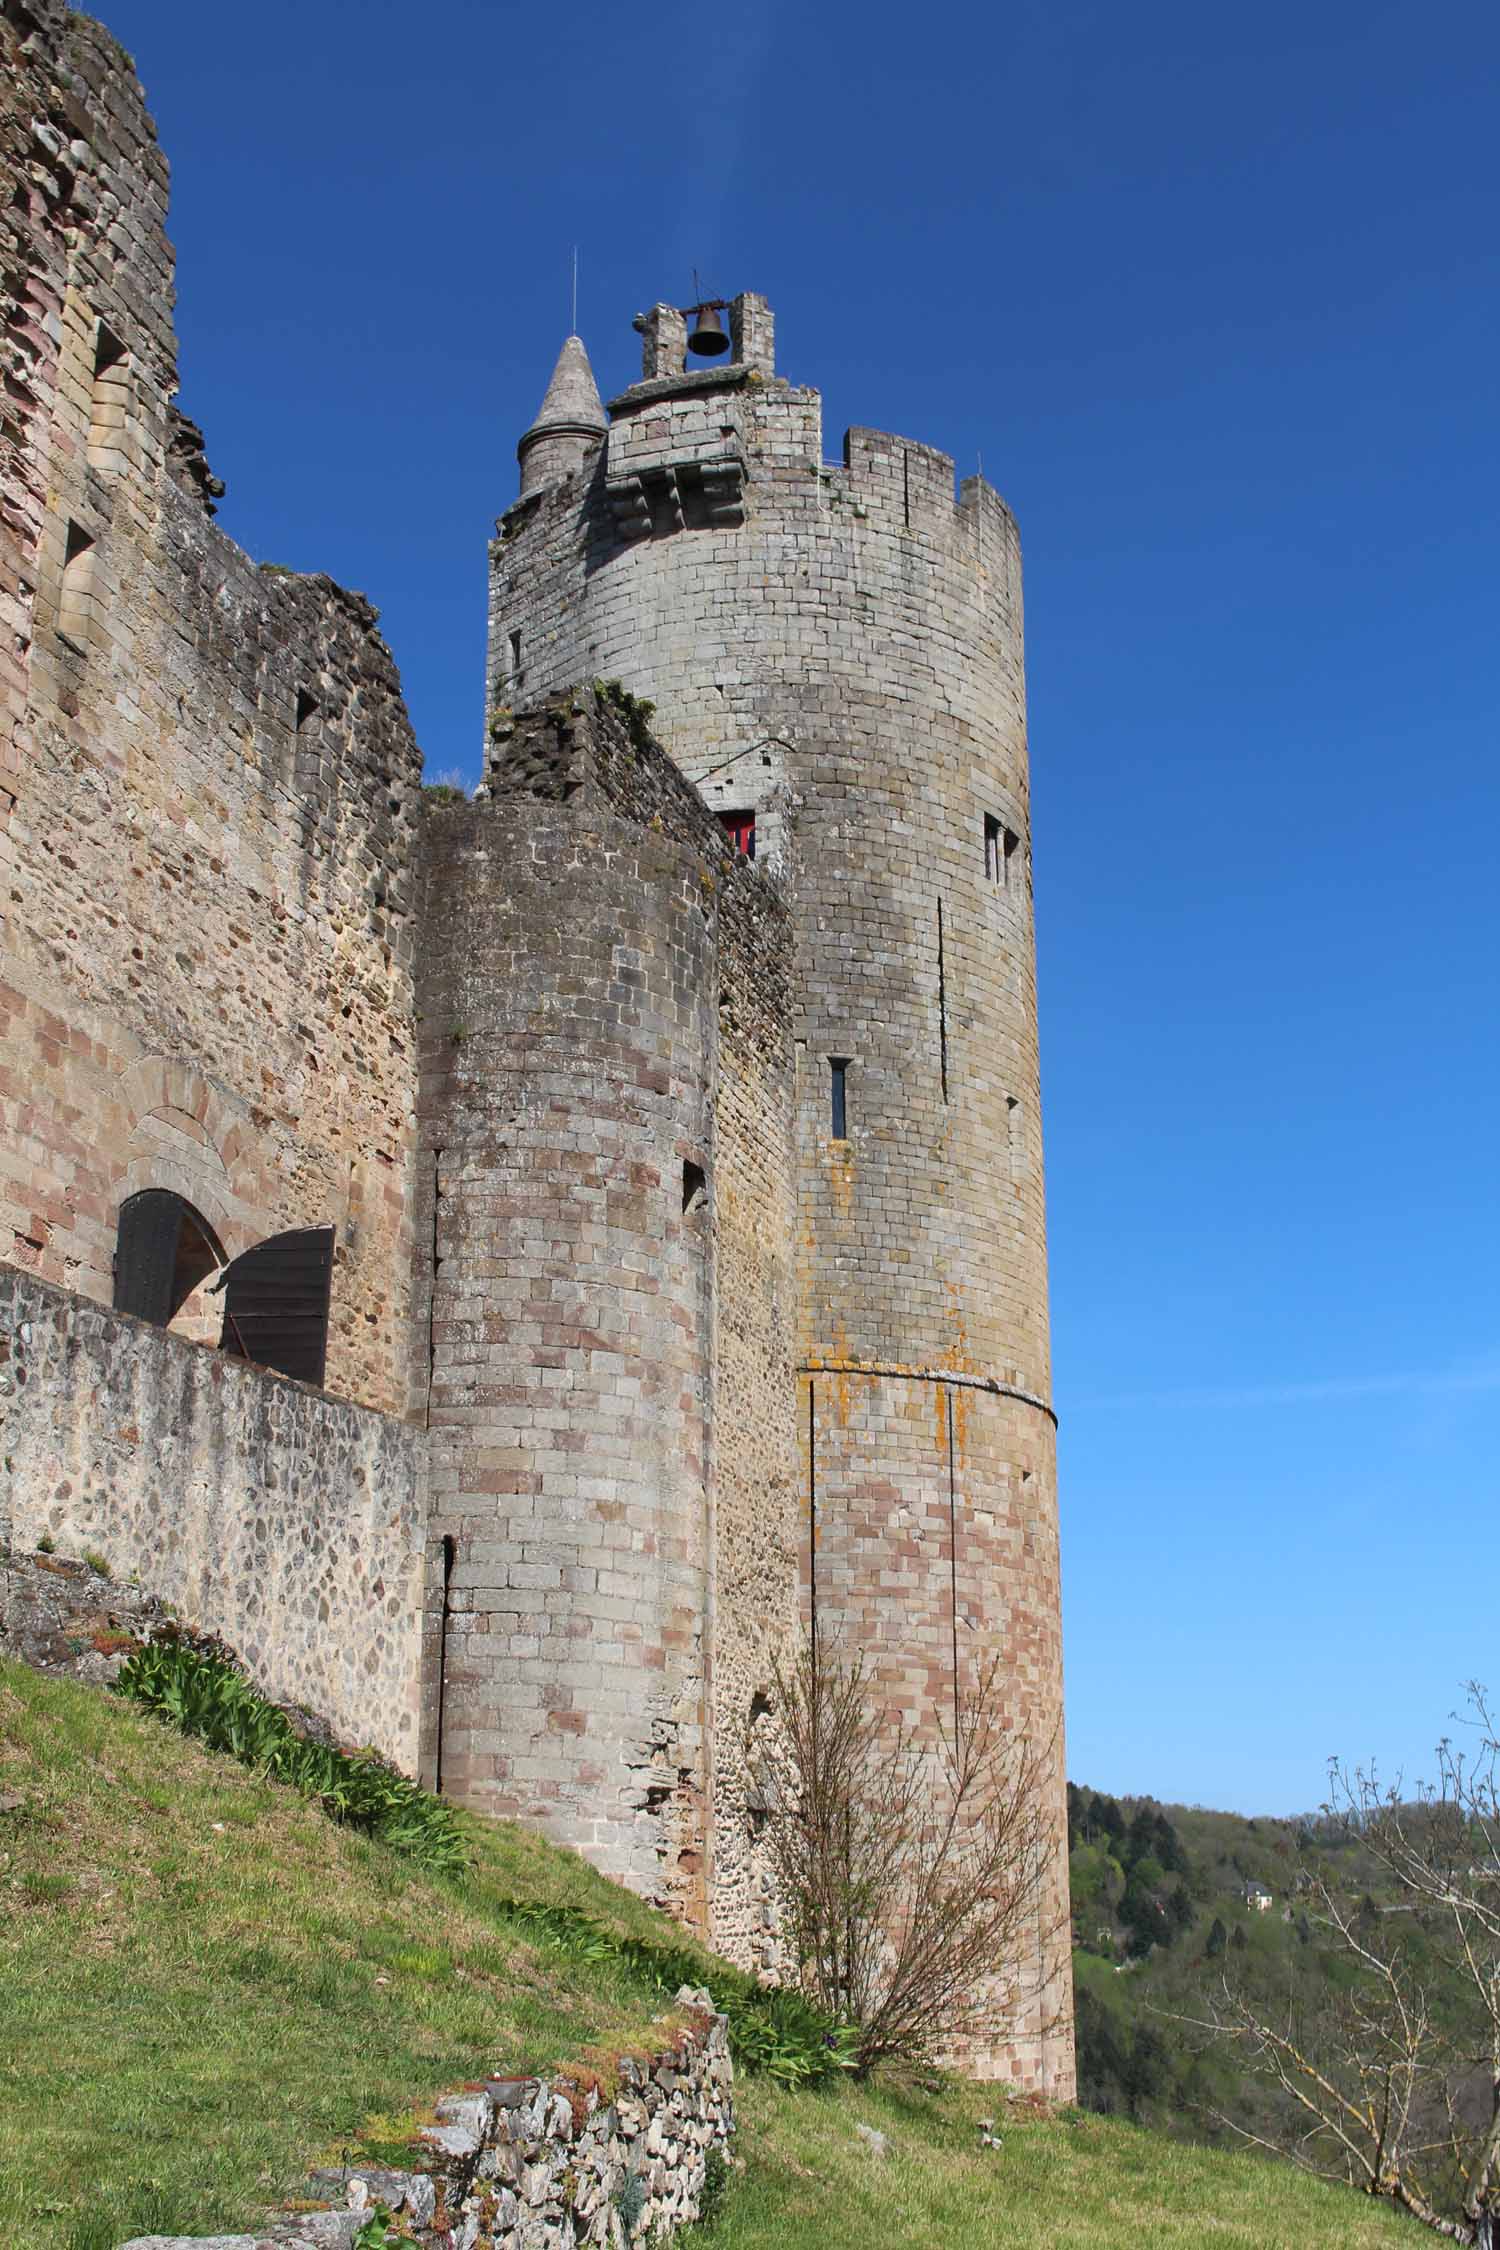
{"x":630,"y":2200}
{"x":715,"y":2185}
{"x":633,"y":709}
{"x":98,"y":1564}
{"x":775,"y":2031}
{"x":380,"y":2231}
{"x":202,"y":1691}
{"x":46,"y":1545}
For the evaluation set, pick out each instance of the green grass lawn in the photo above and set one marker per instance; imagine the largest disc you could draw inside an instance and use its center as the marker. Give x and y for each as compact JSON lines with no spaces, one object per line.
{"x":1071,"y":2180}
{"x":204,"y":1987}
{"x":204,"y":1984}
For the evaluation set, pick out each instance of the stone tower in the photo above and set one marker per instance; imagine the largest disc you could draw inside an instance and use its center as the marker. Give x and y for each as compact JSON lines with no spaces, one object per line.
{"x":835,"y":656}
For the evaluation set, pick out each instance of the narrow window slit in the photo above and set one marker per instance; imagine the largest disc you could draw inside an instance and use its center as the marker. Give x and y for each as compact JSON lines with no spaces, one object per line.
{"x":109,"y":403}
{"x":450,"y":1556}
{"x":838,"y":1085}
{"x":694,"y":1187}
{"x":942,"y":1004}
{"x":75,"y":608}
{"x":1015,"y":1123}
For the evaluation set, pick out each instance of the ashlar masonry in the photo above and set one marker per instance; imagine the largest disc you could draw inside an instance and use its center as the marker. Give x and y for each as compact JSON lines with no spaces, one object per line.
{"x":511,"y":1264}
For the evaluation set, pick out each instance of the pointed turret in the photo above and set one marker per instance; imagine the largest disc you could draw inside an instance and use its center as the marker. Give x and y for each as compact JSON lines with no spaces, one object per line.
{"x":571,"y":420}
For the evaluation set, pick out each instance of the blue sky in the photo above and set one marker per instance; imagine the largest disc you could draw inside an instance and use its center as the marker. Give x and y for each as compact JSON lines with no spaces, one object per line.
{"x":1213,"y":294}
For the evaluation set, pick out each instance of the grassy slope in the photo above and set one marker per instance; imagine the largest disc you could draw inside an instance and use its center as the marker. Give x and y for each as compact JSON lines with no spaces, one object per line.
{"x":203,"y":1986}
{"x":1084,"y":2183}
{"x":174,"y":1932}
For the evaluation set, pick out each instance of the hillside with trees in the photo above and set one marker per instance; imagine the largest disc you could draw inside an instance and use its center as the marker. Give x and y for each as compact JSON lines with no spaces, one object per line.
{"x":1326,"y":1988}
{"x":1170,"y":1904}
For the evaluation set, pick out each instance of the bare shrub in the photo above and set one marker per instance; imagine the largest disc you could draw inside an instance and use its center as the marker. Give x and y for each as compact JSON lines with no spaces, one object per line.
{"x":912,"y":1874}
{"x":1394,"y":2085}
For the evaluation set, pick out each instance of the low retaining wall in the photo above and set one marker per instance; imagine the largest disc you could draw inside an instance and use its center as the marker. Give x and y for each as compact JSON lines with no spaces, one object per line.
{"x":289,"y":1522}
{"x":540,"y":2164}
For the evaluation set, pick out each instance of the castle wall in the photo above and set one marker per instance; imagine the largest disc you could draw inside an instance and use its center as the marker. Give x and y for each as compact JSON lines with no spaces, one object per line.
{"x":603,"y":1182}
{"x":284,"y":1520}
{"x":208,"y":785}
{"x":675,"y":1318}
{"x":839,"y":649}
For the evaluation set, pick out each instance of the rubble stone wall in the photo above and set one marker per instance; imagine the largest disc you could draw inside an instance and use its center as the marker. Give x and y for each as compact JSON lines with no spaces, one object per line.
{"x":286,"y":1521}
{"x":540,"y":2163}
{"x":208,"y":785}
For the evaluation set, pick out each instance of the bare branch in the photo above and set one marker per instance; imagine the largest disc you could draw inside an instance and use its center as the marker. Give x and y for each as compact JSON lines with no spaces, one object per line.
{"x":1396,"y":2088}
{"x":912,"y":1874}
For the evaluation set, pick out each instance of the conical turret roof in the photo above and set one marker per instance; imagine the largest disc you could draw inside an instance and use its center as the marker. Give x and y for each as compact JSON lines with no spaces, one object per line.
{"x":572,"y":401}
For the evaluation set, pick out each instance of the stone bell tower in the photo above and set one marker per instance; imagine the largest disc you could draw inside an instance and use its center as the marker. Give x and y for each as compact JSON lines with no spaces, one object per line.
{"x":835,"y":655}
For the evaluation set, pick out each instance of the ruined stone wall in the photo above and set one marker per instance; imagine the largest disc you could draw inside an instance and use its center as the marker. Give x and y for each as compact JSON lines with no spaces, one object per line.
{"x":286,"y":1521}
{"x":597,"y":1173}
{"x":839,"y":649}
{"x":208,"y":784}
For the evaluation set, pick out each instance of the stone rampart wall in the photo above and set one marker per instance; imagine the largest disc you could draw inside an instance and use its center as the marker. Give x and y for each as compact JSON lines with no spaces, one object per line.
{"x":208,"y":785}
{"x":284,"y":1520}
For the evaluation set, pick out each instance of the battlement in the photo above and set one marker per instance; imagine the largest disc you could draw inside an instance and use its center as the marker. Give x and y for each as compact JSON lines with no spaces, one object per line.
{"x":899,"y":484}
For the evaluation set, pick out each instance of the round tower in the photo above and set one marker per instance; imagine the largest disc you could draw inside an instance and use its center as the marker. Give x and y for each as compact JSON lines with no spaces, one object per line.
{"x":835,"y":655}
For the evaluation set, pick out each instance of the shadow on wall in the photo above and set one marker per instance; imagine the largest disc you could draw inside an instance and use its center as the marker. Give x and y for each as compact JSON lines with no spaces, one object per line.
{"x":169,"y":1264}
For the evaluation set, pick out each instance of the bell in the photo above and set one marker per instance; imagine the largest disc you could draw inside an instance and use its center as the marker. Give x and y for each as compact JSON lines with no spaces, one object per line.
{"x":708,"y":338}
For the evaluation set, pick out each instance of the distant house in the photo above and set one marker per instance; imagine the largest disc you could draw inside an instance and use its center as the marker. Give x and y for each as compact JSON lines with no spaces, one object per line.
{"x":1256,"y":1895}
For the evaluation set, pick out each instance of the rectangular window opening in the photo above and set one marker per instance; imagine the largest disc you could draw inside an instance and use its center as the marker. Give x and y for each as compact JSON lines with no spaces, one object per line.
{"x":694,"y":1187}
{"x":739,"y":827}
{"x":75,"y":608}
{"x":108,"y":352}
{"x":109,"y":403}
{"x":307,"y":710}
{"x":838,"y":1083}
{"x":514,"y":674}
